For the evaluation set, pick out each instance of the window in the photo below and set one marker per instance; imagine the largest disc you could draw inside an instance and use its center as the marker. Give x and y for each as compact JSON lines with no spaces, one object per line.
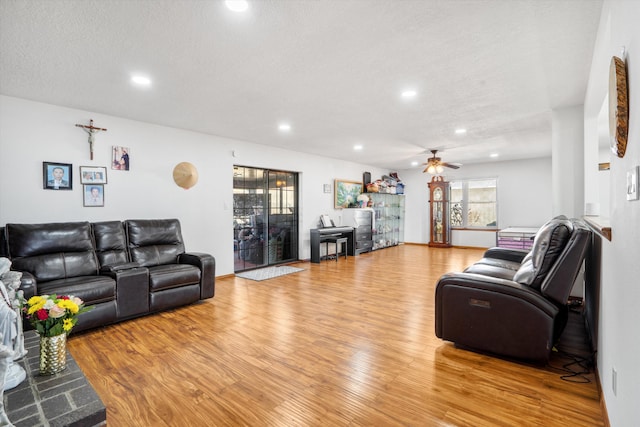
{"x":474,"y":203}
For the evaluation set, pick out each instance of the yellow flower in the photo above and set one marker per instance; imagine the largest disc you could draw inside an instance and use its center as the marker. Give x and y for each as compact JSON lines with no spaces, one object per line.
{"x":69,"y":305}
{"x":37,"y":299}
{"x":67,"y":325}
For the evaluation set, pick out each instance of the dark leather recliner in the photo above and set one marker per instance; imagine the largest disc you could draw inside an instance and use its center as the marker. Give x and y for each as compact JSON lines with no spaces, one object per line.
{"x":121,"y":270}
{"x":175,"y":277}
{"x":513,"y":303}
{"x":59,"y":258}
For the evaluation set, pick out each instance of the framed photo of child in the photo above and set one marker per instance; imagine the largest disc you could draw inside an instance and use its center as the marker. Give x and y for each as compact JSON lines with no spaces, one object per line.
{"x":93,"y":195}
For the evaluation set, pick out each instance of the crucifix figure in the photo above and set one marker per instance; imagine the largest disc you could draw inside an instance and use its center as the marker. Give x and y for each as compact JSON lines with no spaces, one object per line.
{"x":91,"y":130}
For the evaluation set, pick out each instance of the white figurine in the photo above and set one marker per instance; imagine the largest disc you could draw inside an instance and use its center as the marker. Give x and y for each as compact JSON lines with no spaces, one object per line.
{"x":11,"y":280}
{"x":10,"y":329}
{"x":5,"y":359}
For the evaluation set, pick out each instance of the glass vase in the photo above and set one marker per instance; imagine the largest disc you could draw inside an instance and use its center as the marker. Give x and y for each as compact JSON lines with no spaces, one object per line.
{"x":53,"y":354}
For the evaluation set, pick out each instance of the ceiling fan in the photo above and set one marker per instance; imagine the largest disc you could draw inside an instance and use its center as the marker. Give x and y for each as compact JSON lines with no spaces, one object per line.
{"x":436,"y":165}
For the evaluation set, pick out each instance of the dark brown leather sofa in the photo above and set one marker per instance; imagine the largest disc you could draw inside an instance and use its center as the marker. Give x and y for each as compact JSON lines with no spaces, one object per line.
{"x":122,"y":269}
{"x":514,"y":303}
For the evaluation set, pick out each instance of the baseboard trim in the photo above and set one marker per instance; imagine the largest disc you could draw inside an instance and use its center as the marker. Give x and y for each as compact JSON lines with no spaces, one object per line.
{"x":453,"y":246}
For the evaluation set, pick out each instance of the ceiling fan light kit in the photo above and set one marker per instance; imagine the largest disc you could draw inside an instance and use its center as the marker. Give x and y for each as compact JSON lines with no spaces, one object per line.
{"x":435,"y":165}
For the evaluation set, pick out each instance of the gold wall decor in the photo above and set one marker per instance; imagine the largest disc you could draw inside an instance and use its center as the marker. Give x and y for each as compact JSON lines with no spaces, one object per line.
{"x":185,"y":175}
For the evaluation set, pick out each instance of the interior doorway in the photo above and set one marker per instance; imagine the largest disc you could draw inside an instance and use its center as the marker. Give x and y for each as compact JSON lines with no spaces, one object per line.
{"x":265,"y":217}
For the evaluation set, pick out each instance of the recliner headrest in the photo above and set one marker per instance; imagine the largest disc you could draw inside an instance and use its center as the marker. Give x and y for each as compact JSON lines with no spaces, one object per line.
{"x":548,"y":244}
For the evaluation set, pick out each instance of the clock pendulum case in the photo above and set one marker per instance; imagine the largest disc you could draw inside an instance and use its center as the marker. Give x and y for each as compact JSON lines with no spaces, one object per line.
{"x":439,"y":213}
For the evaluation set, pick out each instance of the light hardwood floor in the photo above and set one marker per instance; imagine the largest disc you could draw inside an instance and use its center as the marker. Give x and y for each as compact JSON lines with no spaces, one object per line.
{"x":340,"y":344}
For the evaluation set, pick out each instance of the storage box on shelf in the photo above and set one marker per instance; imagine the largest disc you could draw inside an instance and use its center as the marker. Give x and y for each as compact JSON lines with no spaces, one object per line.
{"x":516,"y":237}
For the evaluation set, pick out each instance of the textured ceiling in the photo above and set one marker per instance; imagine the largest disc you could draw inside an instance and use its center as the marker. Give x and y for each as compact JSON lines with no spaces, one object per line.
{"x":334,"y":69}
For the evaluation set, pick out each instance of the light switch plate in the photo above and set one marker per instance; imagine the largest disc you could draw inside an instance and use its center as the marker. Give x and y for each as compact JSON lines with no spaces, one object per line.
{"x":632,"y":184}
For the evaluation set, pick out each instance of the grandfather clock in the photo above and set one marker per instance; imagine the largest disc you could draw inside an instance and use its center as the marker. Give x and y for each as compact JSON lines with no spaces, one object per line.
{"x":439,"y":213}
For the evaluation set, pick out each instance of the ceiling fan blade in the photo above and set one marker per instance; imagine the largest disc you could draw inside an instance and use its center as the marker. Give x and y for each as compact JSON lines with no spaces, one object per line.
{"x":451,"y":165}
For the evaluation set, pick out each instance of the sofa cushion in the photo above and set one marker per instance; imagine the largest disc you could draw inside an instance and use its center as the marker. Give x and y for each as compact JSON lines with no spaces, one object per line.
{"x":548,"y":244}
{"x":154,"y":241}
{"x":52,"y":251}
{"x":491,"y":270}
{"x":111,"y":243}
{"x":90,"y":289}
{"x":37,"y":239}
{"x":502,"y":263}
{"x":172,"y":275}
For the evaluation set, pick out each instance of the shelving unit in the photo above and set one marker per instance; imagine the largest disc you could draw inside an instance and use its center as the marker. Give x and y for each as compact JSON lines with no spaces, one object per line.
{"x":388,"y":223}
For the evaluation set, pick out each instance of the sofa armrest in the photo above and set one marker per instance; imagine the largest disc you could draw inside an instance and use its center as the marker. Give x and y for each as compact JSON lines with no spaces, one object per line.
{"x":497,"y":286}
{"x":118,"y":267}
{"x":515,"y":255}
{"x":132,"y":290}
{"x":207,"y":265}
{"x":28,"y":284}
{"x":495,"y":315}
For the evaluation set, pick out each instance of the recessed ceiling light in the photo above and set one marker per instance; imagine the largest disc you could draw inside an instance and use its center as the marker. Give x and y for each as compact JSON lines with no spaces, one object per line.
{"x":409,"y":94}
{"x":358,"y":147}
{"x":284,"y":127}
{"x":461,"y":131}
{"x":414,"y":163}
{"x":237,"y":5}
{"x":141,"y":80}
{"x":494,"y":155}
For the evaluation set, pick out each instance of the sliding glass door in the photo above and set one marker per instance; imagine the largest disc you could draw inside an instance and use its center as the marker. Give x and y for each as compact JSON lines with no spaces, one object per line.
{"x":265,"y":217}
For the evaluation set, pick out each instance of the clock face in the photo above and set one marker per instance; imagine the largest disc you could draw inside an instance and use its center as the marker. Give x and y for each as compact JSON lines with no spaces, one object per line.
{"x":437,"y":194}
{"x":618,"y":106}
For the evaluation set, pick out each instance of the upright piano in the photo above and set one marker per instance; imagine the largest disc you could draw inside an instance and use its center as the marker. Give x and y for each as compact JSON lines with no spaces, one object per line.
{"x":319,"y":235}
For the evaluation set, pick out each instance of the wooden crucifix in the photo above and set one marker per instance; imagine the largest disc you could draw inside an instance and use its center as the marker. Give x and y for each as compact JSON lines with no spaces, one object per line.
{"x":91,"y":130}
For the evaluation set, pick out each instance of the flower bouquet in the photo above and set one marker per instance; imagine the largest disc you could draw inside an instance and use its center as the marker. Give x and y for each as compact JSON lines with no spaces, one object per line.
{"x":53,"y":317}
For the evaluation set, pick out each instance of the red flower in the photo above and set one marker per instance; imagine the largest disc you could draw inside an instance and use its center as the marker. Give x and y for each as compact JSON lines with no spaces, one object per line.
{"x":42,"y":314}
{"x":63,"y":297}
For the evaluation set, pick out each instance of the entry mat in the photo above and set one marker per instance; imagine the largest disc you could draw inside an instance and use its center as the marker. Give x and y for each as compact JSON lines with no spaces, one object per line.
{"x":268,"y":272}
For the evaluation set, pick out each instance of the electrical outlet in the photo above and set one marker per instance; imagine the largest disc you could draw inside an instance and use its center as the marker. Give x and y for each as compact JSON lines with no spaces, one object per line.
{"x":614,"y":380}
{"x":632,"y":184}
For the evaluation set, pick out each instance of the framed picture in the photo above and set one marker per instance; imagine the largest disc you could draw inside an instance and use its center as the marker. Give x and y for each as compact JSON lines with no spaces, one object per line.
{"x":346,"y":193}
{"x":57,"y":176}
{"x":93,"y":175}
{"x":93,"y":195}
{"x":120,"y":158}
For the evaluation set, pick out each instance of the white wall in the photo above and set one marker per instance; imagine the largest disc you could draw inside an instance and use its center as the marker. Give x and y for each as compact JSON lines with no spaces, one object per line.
{"x":567,"y":161}
{"x":31,"y":133}
{"x":524,"y":198}
{"x":619,"y":320}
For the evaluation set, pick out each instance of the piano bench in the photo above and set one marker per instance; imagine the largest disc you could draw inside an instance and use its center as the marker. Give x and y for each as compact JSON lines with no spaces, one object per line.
{"x":341,"y":245}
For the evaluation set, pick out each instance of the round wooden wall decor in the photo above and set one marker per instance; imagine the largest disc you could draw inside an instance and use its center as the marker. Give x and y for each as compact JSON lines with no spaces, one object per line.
{"x":618,"y":106}
{"x":185,"y":175}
